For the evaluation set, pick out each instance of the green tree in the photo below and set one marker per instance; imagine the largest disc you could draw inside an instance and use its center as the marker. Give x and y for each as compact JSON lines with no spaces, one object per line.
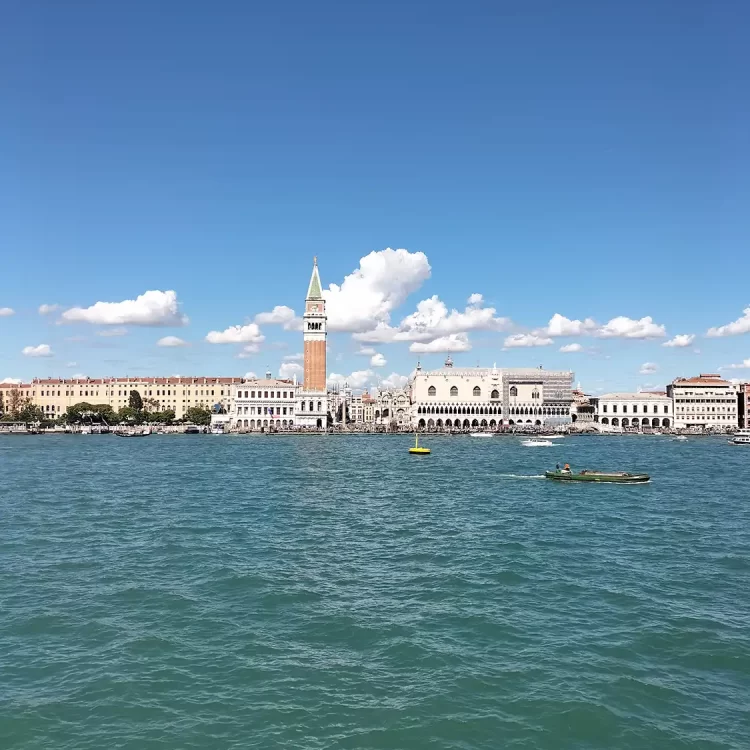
{"x":130,"y":415}
{"x":86,"y":412}
{"x":31,"y":413}
{"x":135,"y":402}
{"x":197,"y":415}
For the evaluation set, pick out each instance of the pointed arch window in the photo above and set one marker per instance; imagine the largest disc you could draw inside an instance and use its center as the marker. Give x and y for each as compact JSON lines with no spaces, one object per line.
{"x":477,"y":391}
{"x":431,"y":391}
{"x":495,"y":394}
{"x":514,"y":391}
{"x":454,"y":390}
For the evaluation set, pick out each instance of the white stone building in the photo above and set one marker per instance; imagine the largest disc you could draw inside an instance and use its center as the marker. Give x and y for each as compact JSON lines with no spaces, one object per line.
{"x":618,"y":411}
{"x":486,"y":398}
{"x":706,"y":402}
{"x":263,"y":404}
{"x":393,"y":408}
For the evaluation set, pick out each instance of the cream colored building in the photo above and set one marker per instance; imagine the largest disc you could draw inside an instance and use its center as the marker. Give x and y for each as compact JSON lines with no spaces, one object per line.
{"x":485,"y":398}
{"x":618,"y":411}
{"x":263,"y":404}
{"x":706,"y":402}
{"x":54,"y":396}
{"x":393,"y":407}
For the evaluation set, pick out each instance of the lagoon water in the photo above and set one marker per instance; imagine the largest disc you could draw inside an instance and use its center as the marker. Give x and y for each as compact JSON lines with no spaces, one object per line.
{"x":182,"y":592}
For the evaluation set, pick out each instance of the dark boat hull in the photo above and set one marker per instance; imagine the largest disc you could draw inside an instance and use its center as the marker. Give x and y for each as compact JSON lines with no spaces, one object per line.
{"x":598,"y":477}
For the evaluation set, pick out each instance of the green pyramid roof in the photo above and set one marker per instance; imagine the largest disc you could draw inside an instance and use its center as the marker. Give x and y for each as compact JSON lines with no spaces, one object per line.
{"x":313,"y":291}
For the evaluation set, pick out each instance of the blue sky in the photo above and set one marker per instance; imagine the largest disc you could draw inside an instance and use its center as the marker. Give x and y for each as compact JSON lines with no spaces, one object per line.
{"x":584,"y":159}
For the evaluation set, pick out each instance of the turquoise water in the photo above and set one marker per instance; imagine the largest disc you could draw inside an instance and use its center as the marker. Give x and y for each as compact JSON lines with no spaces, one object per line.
{"x":308,"y":592}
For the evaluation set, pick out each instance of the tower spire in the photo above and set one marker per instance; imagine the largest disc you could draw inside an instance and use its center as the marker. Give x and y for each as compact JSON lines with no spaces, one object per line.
{"x":314,"y":289}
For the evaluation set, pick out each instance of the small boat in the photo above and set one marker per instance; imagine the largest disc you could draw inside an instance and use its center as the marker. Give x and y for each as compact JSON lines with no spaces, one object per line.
{"x":680,"y":437}
{"x":480,"y":434}
{"x":551,"y":437}
{"x":217,"y":430}
{"x":535,"y":443}
{"x":192,"y":429}
{"x":133,"y":433}
{"x":741,"y":437}
{"x":416,"y":450}
{"x":617,"y":477}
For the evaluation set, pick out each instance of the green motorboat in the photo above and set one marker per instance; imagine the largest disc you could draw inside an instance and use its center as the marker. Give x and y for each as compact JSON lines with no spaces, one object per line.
{"x":618,"y":477}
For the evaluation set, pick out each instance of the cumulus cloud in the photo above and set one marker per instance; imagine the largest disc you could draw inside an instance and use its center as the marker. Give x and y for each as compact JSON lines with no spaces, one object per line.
{"x":369,"y":294}
{"x":112,"y":332}
{"x":648,"y":368}
{"x":455,"y":342}
{"x":559,"y":325}
{"x":377,"y":360}
{"x":6,"y":312}
{"x":357,"y":380}
{"x":43,"y":350}
{"x":250,"y":376}
{"x":570,"y":348}
{"x":81,"y":376}
{"x":248,"y":351}
{"x":744,"y":365}
{"x":394,"y":380}
{"x":281,"y":315}
{"x":11,"y":381}
{"x":288,"y":370}
{"x":627,"y":328}
{"x":680,"y":340}
{"x":171,"y":341}
{"x":247,"y":334}
{"x":741,"y":325}
{"x":366,"y":351}
{"x":518,"y":340}
{"x":48,"y":309}
{"x":432,"y":320}
{"x":152,"y":308}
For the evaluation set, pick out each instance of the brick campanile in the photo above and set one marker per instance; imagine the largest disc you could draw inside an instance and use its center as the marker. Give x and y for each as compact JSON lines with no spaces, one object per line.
{"x":314,"y":328}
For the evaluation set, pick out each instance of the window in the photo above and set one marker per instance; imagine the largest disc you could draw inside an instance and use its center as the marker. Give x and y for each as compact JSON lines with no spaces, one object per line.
{"x":535,"y":394}
{"x":495,"y":394}
{"x":604,"y":408}
{"x":252,"y":394}
{"x":431,"y":391}
{"x":514,"y":391}
{"x":477,"y":391}
{"x":614,"y":408}
{"x":265,"y":394}
{"x":635,"y":408}
{"x":624,"y":408}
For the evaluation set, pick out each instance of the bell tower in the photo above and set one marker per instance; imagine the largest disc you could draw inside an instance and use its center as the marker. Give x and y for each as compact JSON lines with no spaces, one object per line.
{"x":314,"y":335}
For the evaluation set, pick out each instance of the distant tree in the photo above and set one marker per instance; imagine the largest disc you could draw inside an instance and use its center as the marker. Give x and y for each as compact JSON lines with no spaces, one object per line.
{"x":135,"y":402}
{"x":197,"y":415}
{"x":31,"y":413}
{"x":86,"y":412}
{"x":130,"y":415}
{"x":151,"y":404}
{"x":161,"y":417}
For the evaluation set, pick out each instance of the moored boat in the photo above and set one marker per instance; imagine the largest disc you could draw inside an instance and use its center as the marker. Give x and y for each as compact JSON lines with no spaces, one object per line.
{"x":617,"y":477}
{"x":741,"y":437}
{"x":480,"y":434}
{"x":534,"y":443}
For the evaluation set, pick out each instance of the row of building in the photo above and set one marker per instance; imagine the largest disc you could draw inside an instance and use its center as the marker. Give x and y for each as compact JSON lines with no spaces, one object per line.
{"x":449,"y":398}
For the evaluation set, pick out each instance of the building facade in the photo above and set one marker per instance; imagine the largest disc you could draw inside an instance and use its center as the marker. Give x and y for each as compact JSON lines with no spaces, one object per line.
{"x":265,"y":404}
{"x":393,"y":408}
{"x":704,"y":402}
{"x":312,"y":403}
{"x":53,"y":396}
{"x":486,"y":398}
{"x":639,"y":411}
{"x":744,"y":405}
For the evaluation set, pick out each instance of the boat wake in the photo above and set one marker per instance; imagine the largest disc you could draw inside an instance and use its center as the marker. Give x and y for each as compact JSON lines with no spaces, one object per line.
{"x":520,"y":476}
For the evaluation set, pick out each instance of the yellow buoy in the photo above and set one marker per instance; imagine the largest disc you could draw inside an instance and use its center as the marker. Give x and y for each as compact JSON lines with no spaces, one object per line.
{"x":416,"y":450}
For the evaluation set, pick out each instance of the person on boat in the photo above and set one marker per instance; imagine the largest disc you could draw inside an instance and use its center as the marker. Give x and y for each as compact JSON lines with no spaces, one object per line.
{"x":567,"y":469}
{"x":557,"y":467}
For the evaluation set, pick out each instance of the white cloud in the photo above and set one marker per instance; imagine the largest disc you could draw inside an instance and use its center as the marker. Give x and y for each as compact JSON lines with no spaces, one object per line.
{"x":394,"y":380}
{"x":171,"y":341}
{"x":475,"y":299}
{"x":680,"y":340}
{"x":112,"y":332}
{"x":6,"y":312}
{"x":11,"y":381}
{"x":648,"y":368}
{"x":377,"y":360}
{"x":432,"y":320}
{"x":627,"y":328}
{"x":741,"y":325}
{"x":247,"y":334}
{"x":559,"y":325}
{"x":281,"y":315}
{"x":366,"y":351}
{"x":152,"y":308}
{"x":294,"y":357}
{"x":71,"y":364}
{"x":368,"y":295}
{"x":570,"y":348}
{"x":289,"y":369}
{"x":455,"y":342}
{"x":43,"y":350}
{"x":744,"y":365}
{"x":518,"y":340}
{"x":357,"y":380}
{"x":48,"y":309}
{"x":81,"y":376}
{"x":248,"y":351}
{"x":250,"y":376}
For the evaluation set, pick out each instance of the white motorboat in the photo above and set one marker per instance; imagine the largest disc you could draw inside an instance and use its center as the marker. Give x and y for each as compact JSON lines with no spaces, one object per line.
{"x":680,"y":437}
{"x":480,"y":434}
{"x":217,"y":429}
{"x":534,"y":443}
{"x":551,"y":437}
{"x":741,"y":437}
